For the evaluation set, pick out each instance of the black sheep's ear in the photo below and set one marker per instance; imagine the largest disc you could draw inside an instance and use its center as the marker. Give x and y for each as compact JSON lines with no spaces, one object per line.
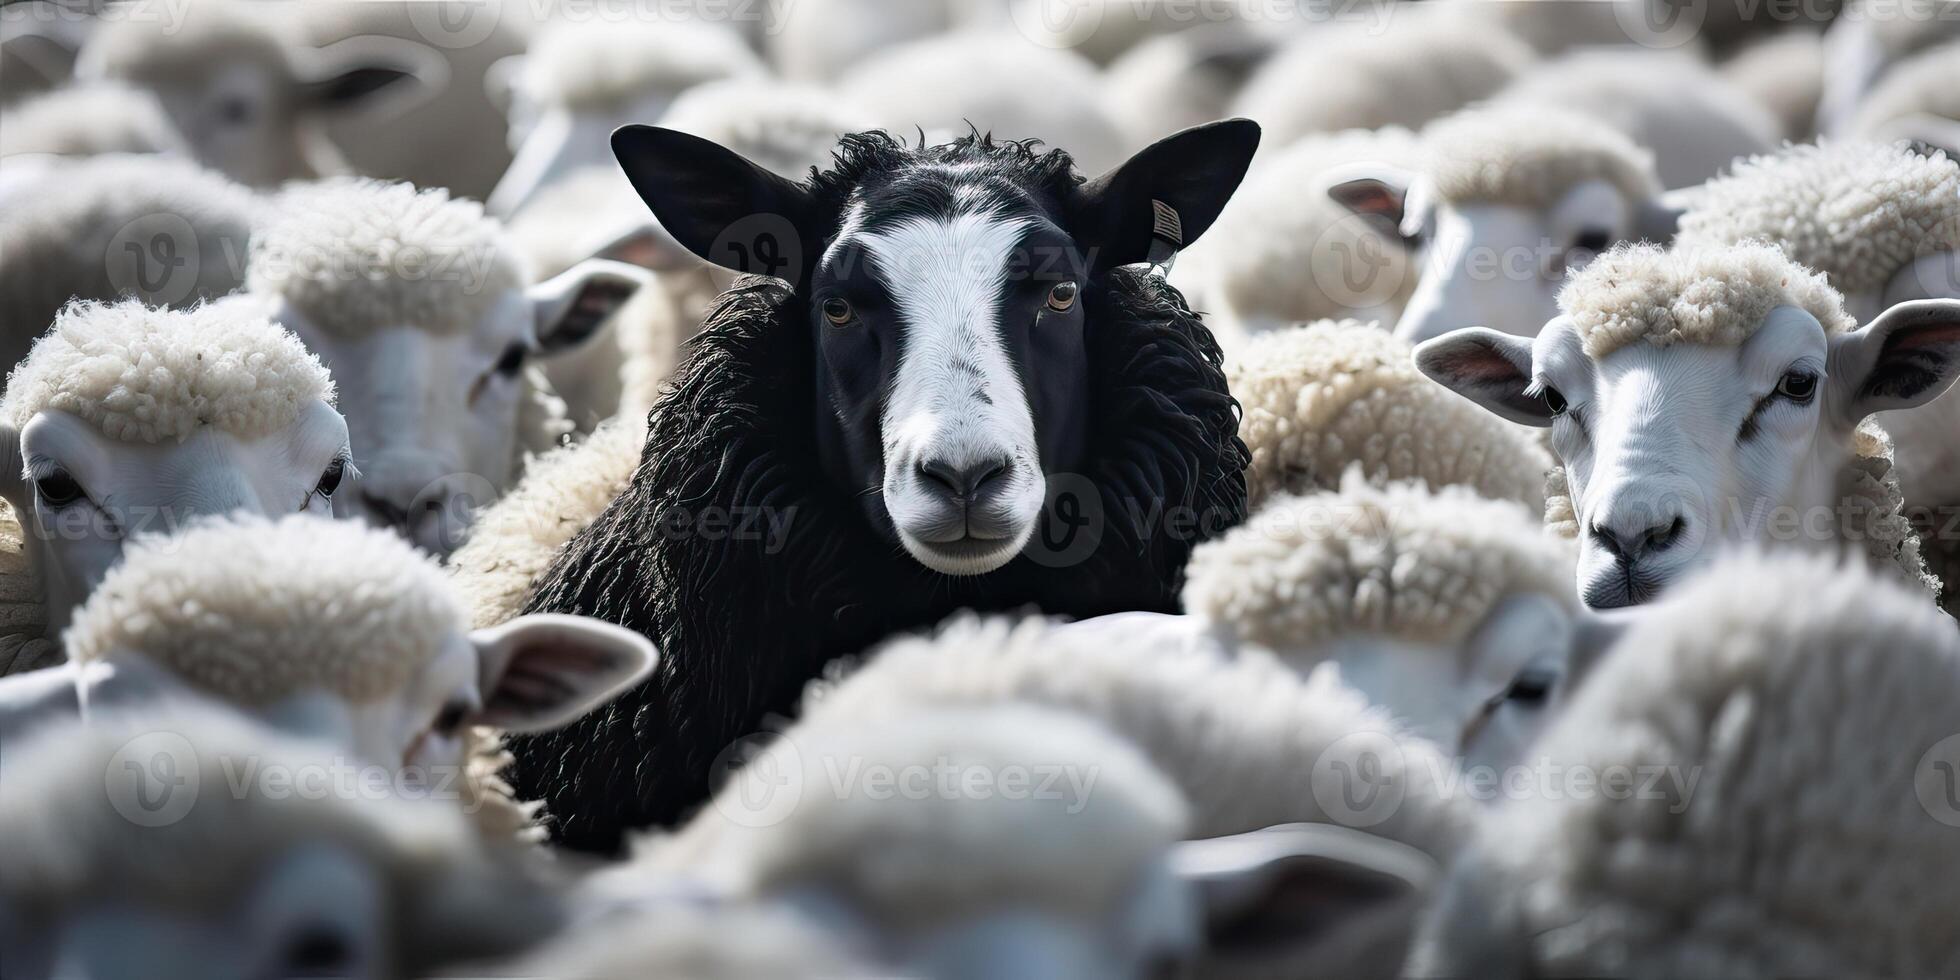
{"x":1162,"y":199}
{"x":720,"y":206}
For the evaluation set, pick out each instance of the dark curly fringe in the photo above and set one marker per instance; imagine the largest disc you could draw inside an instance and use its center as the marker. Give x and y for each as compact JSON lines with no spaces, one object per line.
{"x":742,"y":630}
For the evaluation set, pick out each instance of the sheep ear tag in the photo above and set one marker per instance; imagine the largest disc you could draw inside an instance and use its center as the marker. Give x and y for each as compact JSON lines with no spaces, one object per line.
{"x":545,"y":671}
{"x":1166,"y":237}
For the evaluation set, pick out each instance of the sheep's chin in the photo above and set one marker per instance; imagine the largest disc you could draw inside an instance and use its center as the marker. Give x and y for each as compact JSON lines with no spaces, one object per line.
{"x":967,"y":556}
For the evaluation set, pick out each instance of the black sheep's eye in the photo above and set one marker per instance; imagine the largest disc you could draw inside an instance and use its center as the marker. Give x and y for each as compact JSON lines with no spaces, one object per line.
{"x":837,"y":311}
{"x":1797,"y":386}
{"x":1554,"y":402}
{"x":317,"y":951}
{"x":58,"y":489}
{"x":331,"y":477}
{"x":1061,"y":298}
{"x":1594,"y":240}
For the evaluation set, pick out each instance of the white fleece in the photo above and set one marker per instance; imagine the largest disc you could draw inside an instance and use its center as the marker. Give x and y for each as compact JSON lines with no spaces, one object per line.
{"x":1793,"y":714}
{"x":1319,"y":398}
{"x":144,"y":375}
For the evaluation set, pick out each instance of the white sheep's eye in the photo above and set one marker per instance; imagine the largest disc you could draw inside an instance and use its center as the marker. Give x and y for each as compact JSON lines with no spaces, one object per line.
{"x":1061,"y":299}
{"x":1554,"y":402}
{"x":1532,"y":686}
{"x":331,"y":477}
{"x":1594,"y":240}
{"x":1797,"y":386}
{"x":317,"y":951}
{"x":58,"y":489}
{"x":235,"y":111}
{"x":451,"y":720}
{"x":837,"y":311}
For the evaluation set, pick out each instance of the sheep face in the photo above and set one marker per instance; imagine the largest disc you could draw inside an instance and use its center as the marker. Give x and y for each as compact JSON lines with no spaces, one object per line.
{"x":434,"y":415}
{"x":1484,"y":701}
{"x":1494,"y":263}
{"x":1677,"y":452}
{"x":550,"y":142}
{"x":244,"y":105}
{"x":949,"y":291}
{"x":83,"y":494}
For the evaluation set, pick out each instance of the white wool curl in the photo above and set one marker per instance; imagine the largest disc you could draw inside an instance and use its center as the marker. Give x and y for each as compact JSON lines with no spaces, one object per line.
{"x":1397,"y":561}
{"x":1319,"y":398}
{"x":252,"y":610}
{"x":144,"y":375}
{"x":1639,"y":293}
{"x":1530,"y":156}
{"x":356,"y":255}
{"x":1810,"y":706}
{"x":1857,"y":212}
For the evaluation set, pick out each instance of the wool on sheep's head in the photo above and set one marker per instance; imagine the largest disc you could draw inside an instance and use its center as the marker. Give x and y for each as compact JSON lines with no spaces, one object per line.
{"x":253,"y":611}
{"x":1710,"y":398}
{"x":1858,"y":212}
{"x":197,"y":862}
{"x":145,"y":375}
{"x":804,"y":406}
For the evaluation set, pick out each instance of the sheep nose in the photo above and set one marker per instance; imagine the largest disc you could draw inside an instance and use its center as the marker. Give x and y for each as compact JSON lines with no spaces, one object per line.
{"x":1629,"y":541}
{"x":967,"y":483}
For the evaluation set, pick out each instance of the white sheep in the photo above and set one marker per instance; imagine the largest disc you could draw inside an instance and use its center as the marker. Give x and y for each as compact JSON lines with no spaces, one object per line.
{"x":1709,"y":398}
{"x":820,"y":41}
{"x":1452,"y":613}
{"x":995,"y":81}
{"x":249,"y":103}
{"x":1693,"y":120}
{"x":721,"y":940}
{"x":581,"y":80}
{"x":221,"y":849}
{"x":1250,"y":741}
{"x":1915,"y":101}
{"x":84,"y":120}
{"x":1419,"y":65}
{"x":430,"y":320}
{"x":1017,"y":840}
{"x":126,"y":419}
{"x":1319,"y":398}
{"x":1757,"y":783}
{"x":1503,"y":204}
{"x":338,"y":631}
{"x":1882,"y":223}
{"x":1286,"y":253}
{"x":163,"y":231}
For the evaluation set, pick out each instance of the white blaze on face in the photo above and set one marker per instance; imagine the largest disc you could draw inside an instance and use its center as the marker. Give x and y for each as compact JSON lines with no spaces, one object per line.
{"x":956,"y":401}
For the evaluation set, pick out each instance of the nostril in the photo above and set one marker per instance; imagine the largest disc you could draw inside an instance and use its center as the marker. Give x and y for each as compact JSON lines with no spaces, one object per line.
{"x":1606,"y":539}
{"x":384,"y":508}
{"x":1661,"y":536}
{"x":987,"y":473}
{"x":940,"y":476}
{"x":963,"y":481}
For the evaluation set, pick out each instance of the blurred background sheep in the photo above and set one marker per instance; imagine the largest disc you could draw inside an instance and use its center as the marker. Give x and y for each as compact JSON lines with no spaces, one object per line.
{"x":332,"y":329}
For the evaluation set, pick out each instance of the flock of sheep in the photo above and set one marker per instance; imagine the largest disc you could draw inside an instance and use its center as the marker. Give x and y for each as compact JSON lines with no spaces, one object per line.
{"x":979,"y":488}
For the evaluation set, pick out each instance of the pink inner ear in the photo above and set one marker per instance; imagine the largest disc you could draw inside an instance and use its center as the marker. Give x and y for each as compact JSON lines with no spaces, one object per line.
{"x":1921,"y":337}
{"x":1482,"y":364}
{"x":1370,"y":197}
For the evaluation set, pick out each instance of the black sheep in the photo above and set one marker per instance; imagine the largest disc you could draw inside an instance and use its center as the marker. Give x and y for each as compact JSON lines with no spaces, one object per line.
{"x":857,"y":447}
